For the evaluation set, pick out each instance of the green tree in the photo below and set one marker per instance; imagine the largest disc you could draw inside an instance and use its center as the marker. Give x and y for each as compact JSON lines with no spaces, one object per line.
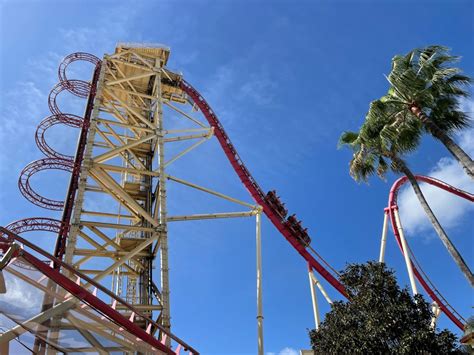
{"x":426,"y":87}
{"x":381,"y":318}
{"x":379,"y":146}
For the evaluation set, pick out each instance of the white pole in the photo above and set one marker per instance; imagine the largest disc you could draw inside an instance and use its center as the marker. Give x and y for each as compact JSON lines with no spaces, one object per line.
{"x":406,"y":254}
{"x":383,"y":242}
{"x":259,"y":284}
{"x":314,"y":299}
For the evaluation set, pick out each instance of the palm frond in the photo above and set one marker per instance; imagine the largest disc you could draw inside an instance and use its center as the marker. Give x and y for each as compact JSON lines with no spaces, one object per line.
{"x":396,"y":91}
{"x":423,"y":77}
{"x":426,"y":77}
{"x":362,"y":165}
{"x":450,"y":120}
{"x":382,"y":168}
{"x":347,"y":138}
{"x":459,"y":79}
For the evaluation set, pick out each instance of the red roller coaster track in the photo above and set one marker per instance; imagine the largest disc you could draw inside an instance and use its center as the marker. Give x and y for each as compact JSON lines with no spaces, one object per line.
{"x":35,"y":224}
{"x":74,"y":182}
{"x":424,"y":281}
{"x":78,"y":87}
{"x":48,"y":122}
{"x":56,"y":160}
{"x":252,"y":186}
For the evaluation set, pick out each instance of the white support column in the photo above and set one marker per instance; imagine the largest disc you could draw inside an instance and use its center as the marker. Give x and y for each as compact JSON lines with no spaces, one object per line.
{"x":164,"y":268}
{"x":406,"y":254}
{"x":383,"y":241}
{"x":436,"y":312}
{"x":314,"y":299}
{"x":259,"y":283}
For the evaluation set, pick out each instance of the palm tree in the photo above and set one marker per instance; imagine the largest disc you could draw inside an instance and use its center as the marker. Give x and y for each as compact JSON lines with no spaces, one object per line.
{"x":379,"y":147}
{"x":425,"y":87}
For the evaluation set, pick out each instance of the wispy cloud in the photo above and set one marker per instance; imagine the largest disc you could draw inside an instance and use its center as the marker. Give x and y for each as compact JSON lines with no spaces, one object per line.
{"x":450,"y":210}
{"x":231,"y":93}
{"x":21,"y":298}
{"x":114,"y":26}
{"x":285,"y":351}
{"x":258,"y":88}
{"x":44,"y":68}
{"x":24,"y":103}
{"x":24,"y":107}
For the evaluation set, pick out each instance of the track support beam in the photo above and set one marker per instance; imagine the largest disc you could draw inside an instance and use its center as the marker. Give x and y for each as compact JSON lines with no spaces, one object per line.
{"x":258,"y":239}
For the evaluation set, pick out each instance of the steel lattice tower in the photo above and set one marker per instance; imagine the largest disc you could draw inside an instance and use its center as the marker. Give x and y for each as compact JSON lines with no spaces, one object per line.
{"x":124,"y":158}
{"x":129,"y":167}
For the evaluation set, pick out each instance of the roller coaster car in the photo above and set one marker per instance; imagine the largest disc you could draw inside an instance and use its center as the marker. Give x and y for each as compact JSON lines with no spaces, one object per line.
{"x":304,"y":238}
{"x":274,"y":202}
{"x":292,"y":221}
{"x":297,"y":230}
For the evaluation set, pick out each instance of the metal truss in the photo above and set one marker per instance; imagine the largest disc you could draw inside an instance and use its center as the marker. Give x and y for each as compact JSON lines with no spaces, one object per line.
{"x":125,"y":159}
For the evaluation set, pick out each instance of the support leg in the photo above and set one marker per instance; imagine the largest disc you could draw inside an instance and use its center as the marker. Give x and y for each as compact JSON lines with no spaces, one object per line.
{"x":406,"y":254}
{"x":314,"y":298}
{"x":383,"y":242}
{"x":259,"y":285}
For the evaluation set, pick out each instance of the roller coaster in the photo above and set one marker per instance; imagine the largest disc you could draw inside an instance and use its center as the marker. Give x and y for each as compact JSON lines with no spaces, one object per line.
{"x":97,"y":283}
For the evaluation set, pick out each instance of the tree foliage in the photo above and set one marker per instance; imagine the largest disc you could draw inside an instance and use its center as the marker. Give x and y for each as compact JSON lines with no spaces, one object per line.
{"x":424,"y":95}
{"x":428,"y":79}
{"x":380,"y":143}
{"x":380,"y":318}
{"x":423,"y":83}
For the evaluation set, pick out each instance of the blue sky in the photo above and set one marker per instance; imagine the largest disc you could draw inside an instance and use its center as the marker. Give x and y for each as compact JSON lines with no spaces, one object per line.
{"x":285,"y":78}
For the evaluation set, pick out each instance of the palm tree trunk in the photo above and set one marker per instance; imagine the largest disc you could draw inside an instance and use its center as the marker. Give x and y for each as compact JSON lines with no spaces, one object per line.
{"x":434,"y":221}
{"x":459,"y":154}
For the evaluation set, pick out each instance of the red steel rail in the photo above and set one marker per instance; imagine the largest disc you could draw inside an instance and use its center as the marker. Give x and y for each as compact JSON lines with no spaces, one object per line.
{"x":252,"y":186}
{"x":56,"y":160}
{"x":34,"y":167}
{"x":82,"y":88}
{"x":393,"y":205}
{"x":66,"y":119}
{"x":74,"y":182}
{"x":34,"y":224}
